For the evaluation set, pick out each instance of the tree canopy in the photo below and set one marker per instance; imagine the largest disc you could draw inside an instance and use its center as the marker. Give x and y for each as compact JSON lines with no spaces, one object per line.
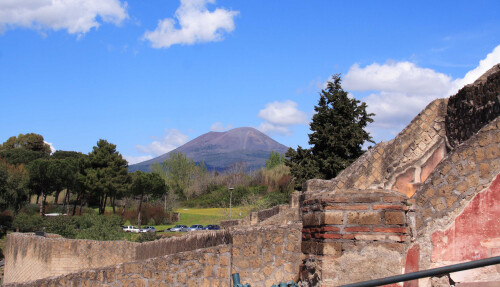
{"x":338,"y":134}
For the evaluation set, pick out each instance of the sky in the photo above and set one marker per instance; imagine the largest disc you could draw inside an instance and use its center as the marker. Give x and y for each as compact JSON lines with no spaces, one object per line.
{"x":151,"y":75}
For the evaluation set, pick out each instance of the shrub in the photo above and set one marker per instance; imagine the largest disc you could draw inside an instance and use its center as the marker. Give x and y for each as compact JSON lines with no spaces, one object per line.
{"x":100,"y":227}
{"x":62,"y":225}
{"x":27,"y":223}
{"x":146,"y":236}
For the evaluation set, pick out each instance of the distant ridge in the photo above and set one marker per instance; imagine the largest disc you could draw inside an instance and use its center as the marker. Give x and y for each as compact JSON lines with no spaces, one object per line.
{"x":220,"y":150}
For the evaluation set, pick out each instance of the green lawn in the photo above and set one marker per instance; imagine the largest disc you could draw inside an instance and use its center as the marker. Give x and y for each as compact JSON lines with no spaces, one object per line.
{"x":204,"y":216}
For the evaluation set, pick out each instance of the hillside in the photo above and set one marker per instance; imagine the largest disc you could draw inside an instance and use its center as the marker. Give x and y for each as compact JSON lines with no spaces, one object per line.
{"x":220,"y":150}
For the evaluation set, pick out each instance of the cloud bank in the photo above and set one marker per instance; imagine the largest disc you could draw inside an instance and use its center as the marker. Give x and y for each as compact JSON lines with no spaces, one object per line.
{"x":173,"y":139}
{"x":219,"y":127}
{"x":280,"y":117}
{"x":196,"y":25}
{"x":75,"y":16}
{"x":400,"y":90}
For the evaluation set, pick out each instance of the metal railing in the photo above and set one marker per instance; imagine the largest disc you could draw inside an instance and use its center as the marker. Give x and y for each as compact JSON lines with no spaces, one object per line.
{"x":427,"y":273}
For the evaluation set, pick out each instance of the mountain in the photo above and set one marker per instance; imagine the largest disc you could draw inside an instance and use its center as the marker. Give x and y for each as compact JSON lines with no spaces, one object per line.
{"x":220,"y":150}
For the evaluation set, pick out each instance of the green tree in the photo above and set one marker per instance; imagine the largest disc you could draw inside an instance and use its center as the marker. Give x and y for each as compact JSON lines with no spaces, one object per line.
{"x":178,"y":173}
{"x":146,"y":183}
{"x":31,"y":141}
{"x":338,"y":134}
{"x":275,"y":159}
{"x":107,"y":175}
{"x":43,"y":178}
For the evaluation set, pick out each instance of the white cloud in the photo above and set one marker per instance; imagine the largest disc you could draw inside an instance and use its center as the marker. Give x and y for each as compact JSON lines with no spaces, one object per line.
{"x":52,"y":148}
{"x":136,"y":159}
{"x":400,"y":90}
{"x":75,"y":16}
{"x":197,"y":24}
{"x":400,"y":77}
{"x":280,"y":116}
{"x":219,"y":127}
{"x":172,"y":140}
{"x":484,"y":65}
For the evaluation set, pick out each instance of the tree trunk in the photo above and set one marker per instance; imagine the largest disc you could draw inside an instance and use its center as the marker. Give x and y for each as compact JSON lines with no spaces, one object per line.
{"x":67,"y":201}
{"x":140,"y":211}
{"x":113,"y":203}
{"x":56,"y":199}
{"x":79,"y":197}
{"x":37,"y":198}
{"x":41,"y":205}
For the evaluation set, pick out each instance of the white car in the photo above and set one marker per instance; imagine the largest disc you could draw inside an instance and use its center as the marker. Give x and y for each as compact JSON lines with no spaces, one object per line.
{"x":130,"y":228}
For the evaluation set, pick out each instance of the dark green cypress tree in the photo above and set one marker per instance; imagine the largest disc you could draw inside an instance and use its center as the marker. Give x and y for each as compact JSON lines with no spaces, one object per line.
{"x":338,"y":134}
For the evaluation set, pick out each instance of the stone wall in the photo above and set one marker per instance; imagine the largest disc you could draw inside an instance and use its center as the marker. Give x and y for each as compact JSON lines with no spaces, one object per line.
{"x":473,"y":107}
{"x":29,"y":257}
{"x":261,"y":254}
{"x":264,"y":256}
{"x":401,"y":164}
{"x":353,"y":230}
{"x":201,"y":267}
{"x":457,"y":209}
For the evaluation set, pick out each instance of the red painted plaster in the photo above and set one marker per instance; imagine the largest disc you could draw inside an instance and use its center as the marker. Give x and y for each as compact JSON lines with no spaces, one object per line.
{"x":404,"y":183}
{"x":411,"y":265}
{"x":475,"y":233}
{"x":432,"y":162}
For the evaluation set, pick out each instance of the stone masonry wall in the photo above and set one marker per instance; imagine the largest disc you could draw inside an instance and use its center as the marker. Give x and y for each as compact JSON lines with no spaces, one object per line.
{"x":264,"y":256}
{"x":401,"y":164}
{"x":29,"y":257}
{"x":457,"y":209}
{"x":473,"y":107}
{"x":202,"y":267}
{"x":348,"y":230}
{"x":261,"y":254}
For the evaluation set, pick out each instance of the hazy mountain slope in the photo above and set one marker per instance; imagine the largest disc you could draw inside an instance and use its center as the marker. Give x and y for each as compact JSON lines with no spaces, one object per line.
{"x":220,"y":150}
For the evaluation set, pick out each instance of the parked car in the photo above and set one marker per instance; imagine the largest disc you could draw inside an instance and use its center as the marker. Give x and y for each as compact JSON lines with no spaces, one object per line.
{"x":195,"y":227}
{"x":148,"y":229}
{"x":211,"y":227}
{"x":131,"y":229}
{"x":179,"y":228}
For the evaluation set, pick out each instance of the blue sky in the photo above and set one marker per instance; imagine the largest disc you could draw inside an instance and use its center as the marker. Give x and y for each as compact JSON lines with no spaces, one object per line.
{"x":151,"y":75}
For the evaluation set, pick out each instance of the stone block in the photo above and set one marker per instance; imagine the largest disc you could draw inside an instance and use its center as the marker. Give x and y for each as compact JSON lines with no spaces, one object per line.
{"x":334,"y":217}
{"x":330,"y":249}
{"x":395,"y":218}
{"x":313,"y":219}
{"x":484,"y":170}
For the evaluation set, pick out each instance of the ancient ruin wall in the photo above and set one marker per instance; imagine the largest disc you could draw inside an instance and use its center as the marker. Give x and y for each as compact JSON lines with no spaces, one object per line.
{"x":261,"y":255}
{"x":264,"y":256}
{"x":202,"y":267}
{"x":473,"y":107}
{"x":401,"y":164}
{"x":457,"y":208}
{"x":353,"y":230}
{"x":30,"y":257}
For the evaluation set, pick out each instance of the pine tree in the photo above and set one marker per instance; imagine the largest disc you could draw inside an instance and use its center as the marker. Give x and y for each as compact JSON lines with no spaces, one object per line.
{"x":338,"y":134}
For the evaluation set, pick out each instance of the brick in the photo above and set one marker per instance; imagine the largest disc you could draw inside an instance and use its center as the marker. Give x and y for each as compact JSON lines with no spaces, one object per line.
{"x":357,"y":229}
{"x":393,"y":207}
{"x":329,"y":228}
{"x":334,"y":217}
{"x":336,"y":199}
{"x":331,"y":236}
{"x":348,"y":236}
{"x":347,"y":207}
{"x":391,"y":229}
{"x":392,"y":199}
